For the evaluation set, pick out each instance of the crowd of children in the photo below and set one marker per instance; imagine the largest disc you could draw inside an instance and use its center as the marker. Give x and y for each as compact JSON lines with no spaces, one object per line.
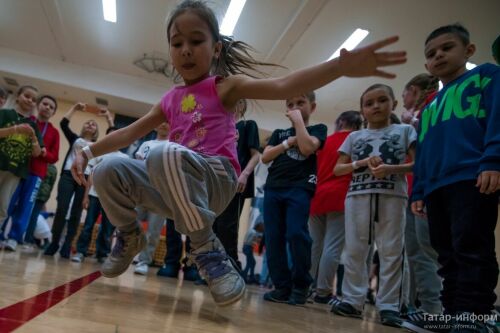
{"x":328,"y":199}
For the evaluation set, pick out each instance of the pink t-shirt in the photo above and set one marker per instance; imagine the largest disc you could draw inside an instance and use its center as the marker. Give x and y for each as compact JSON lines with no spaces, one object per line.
{"x":199,"y":121}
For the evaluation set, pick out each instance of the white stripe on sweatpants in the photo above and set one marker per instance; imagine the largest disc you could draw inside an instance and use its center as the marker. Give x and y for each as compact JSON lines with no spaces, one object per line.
{"x":172,"y":162}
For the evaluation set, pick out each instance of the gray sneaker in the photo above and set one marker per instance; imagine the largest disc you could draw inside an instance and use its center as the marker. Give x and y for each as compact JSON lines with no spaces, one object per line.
{"x":78,"y":257}
{"x":225,"y":283}
{"x":128,"y":244}
{"x":10,"y":244}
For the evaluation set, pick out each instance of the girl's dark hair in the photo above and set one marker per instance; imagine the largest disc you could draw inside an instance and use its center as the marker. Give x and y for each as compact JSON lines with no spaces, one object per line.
{"x":427,"y":84}
{"x":377,"y":86}
{"x":41,"y":98}
{"x":235,"y":55}
{"x":23,"y":88}
{"x":349,"y":119}
{"x":456,"y":29}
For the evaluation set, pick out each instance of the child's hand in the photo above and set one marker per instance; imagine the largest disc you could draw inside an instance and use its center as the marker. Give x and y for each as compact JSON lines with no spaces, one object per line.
{"x":25,"y":129}
{"x":374,"y":161}
{"x":294,"y":115}
{"x":242,"y":182}
{"x":363,"y":163}
{"x":79,"y":106}
{"x":104,"y":113}
{"x":292,"y":141}
{"x":417,"y":208}
{"x":365,"y":61}
{"x":79,"y":165}
{"x":488,"y":182}
{"x":381,"y":171}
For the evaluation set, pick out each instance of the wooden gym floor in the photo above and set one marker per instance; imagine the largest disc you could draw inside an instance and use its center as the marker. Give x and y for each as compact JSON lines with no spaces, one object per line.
{"x":45,"y":294}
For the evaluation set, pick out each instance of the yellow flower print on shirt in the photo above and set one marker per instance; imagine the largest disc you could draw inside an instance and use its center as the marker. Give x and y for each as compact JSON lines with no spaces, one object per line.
{"x":188,"y":103}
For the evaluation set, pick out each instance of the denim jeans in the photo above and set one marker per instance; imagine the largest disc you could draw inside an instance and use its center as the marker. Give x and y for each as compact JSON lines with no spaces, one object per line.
{"x":286,"y":213}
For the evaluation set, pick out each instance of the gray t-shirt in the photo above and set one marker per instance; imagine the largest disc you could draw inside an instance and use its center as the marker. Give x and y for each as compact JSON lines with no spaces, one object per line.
{"x":391,"y":144}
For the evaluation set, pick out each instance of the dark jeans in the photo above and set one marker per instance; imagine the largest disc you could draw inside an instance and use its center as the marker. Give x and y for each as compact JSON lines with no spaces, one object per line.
{"x":174,"y":245}
{"x":249,"y":271}
{"x":65,"y":190}
{"x":37,"y":208}
{"x":462,"y":225}
{"x":226,"y":226}
{"x":105,"y":230}
{"x":286,"y":213}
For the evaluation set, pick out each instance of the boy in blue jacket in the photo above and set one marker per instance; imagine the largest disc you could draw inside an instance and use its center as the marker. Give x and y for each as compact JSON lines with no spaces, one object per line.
{"x":457,"y":176}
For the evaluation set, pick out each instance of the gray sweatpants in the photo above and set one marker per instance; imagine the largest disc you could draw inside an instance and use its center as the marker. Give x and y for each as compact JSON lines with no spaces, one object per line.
{"x":388,"y":233}
{"x":328,"y":236}
{"x":8,"y":185}
{"x":174,"y":182}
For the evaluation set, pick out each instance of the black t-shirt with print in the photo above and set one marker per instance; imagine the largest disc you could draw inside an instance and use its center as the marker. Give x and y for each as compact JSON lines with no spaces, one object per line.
{"x":248,"y":138}
{"x":291,"y":168}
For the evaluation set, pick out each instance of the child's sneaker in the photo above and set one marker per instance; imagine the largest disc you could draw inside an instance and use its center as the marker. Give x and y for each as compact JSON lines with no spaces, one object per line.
{"x":141,"y":268}
{"x":423,"y":322}
{"x":390,"y":318}
{"x":323,"y":299}
{"x":128,"y":244}
{"x":345,"y":309}
{"x":281,"y":295}
{"x":10,"y":245}
{"x":225,"y":283}
{"x":78,"y":257}
{"x":191,"y":273}
{"x":298,"y":296}
{"x":169,"y":270}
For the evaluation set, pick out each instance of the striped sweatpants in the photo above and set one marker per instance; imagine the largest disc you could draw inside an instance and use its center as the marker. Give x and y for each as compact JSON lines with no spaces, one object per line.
{"x":175,"y":182}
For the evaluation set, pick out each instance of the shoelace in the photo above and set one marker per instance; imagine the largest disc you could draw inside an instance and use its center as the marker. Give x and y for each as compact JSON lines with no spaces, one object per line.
{"x":212,"y":263}
{"x":119,"y":247}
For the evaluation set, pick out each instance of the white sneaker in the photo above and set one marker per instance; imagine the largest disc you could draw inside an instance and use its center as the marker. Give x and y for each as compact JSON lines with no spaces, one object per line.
{"x":78,"y":257}
{"x":141,"y":268}
{"x":10,"y":245}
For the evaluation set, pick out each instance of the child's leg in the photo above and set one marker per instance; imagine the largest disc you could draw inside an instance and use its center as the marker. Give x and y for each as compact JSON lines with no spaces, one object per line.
{"x":462,"y":223}
{"x":357,"y":238}
{"x":93,"y":211}
{"x":155,"y":224}
{"x":332,"y":249}
{"x":275,"y":230}
{"x":8,"y":183}
{"x":74,"y":221}
{"x":389,"y":235}
{"x":103,"y":241}
{"x":317,"y":226}
{"x":226,"y":226}
{"x":297,"y":235}
{"x":174,"y":246}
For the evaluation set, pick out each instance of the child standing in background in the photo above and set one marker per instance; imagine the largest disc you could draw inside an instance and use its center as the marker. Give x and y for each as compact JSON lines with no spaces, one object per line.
{"x":375,"y":204}
{"x":289,"y":188}
{"x":193,"y":178}
{"x":326,"y":220}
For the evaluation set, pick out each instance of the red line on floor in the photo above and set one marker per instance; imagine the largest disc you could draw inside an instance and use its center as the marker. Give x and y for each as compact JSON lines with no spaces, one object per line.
{"x":15,"y":315}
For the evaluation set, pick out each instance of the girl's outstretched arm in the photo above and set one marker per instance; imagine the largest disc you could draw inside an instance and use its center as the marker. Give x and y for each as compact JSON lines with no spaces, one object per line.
{"x":118,"y":139}
{"x":360,"y":62}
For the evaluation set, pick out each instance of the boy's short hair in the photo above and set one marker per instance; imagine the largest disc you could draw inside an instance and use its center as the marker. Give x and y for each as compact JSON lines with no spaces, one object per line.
{"x":311,"y":96}
{"x":48,"y":97}
{"x":495,"y":49}
{"x":456,"y":29}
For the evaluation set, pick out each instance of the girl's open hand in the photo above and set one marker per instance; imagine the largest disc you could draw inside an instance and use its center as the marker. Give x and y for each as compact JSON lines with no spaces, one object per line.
{"x":78,"y":167}
{"x":366,"y":61}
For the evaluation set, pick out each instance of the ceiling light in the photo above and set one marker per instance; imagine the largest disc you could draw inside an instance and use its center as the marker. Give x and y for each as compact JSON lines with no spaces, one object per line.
{"x":231,"y":18}
{"x":350,"y":43}
{"x":109,"y":10}
{"x":470,"y":65}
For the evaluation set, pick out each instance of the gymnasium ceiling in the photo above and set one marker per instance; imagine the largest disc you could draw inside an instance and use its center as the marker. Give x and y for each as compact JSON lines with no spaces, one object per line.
{"x":67,"y":49}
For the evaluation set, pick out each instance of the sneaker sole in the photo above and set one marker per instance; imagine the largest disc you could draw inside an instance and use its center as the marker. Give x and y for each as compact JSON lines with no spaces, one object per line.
{"x":142,"y":245}
{"x":235,"y":299}
{"x":345,"y":314}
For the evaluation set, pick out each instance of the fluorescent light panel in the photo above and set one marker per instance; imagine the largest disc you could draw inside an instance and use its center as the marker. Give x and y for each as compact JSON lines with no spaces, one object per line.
{"x":350,"y":43}
{"x":231,"y":18}
{"x":109,"y":10}
{"x":470,"y":65}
